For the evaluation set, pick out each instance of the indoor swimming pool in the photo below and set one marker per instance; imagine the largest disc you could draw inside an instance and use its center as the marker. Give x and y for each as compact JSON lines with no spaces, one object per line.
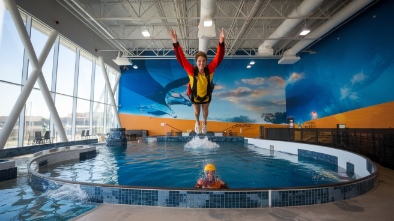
{"x":20,"y":202}
{"x":260,"y":173}
{"x":180,"y":165}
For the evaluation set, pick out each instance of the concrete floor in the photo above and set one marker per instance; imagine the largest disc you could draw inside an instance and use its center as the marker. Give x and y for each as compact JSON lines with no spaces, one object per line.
{"x":376,"y":205}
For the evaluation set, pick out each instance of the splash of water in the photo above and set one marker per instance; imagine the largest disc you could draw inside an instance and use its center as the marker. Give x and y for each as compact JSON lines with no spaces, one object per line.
{"x":197,"y":142}
{"x":72,"y":192}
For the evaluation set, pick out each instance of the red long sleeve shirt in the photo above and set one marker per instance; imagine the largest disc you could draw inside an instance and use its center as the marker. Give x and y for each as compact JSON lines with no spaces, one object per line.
{"x":202,"y":81}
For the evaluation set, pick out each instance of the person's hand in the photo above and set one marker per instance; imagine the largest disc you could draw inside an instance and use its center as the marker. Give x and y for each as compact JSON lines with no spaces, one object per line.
{"x":221,"y":36}
{"x":173,"y":35}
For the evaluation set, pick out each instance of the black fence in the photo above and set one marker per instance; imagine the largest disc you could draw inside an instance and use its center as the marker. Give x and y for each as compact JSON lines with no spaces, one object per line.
{"x":377,"y":144}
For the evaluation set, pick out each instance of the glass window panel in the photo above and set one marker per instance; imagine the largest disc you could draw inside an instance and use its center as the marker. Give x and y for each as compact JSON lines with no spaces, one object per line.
{"x":110,"y":118}
{"x":111,"y":73}
{"x":85,"y":75}
{"x":39,"y":37}
{"x":99,"y":83}
{"x":82,"y":117}
{"x":66,"y":68}
{"x":111,"y":78}
{"x":37,"y":116}
{"x":64,"y":107}
{"x":11,"y":50}
{"x":98,"y":118}
{"x":7,"y":103}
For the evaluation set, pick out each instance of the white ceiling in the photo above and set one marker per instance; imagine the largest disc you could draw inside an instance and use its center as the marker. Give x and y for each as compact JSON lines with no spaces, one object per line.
{"x":247,"y":24}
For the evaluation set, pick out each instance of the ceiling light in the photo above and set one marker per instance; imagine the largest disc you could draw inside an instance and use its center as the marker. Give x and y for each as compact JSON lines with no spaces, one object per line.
{"x":305,"y":31}
{"x":248,"y":66}
{"x":135,"y":66}
{"x":252,"y":62}
{"x":145,"y":33}
{"x":208,"y":22}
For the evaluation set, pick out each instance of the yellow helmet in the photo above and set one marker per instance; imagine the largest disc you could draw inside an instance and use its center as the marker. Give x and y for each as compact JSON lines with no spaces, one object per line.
{"x":209,"y":167}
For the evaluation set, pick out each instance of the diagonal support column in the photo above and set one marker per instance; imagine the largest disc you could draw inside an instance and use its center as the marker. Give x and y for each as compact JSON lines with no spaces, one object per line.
{"x":116,"y":83}
{"x":113,"y":90}
{"x":36,"y":73}
{"x":110,"y":93}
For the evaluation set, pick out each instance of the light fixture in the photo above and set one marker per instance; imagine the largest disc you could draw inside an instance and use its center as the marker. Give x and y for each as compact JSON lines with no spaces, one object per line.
{"x":146,"y":33}
{"x":249,"y":66}
{"x":305,"y":31}
{"x":206,"y":28}
{"x":135,"y":66}
{"x":208,"y":22}
{"x":122,"y":60}
{"x":252,"y":63}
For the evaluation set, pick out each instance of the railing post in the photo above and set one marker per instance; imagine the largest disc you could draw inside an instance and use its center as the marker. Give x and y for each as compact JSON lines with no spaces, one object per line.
{"x":373,"y":144}
{"x":332,"y":138}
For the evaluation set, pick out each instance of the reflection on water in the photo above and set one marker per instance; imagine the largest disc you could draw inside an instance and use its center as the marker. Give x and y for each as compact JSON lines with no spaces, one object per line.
{"x":19,"y":202}
{"x":179,"y":165}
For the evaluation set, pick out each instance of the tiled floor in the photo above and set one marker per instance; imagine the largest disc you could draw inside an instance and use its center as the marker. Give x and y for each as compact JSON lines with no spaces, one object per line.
{"x":376,"y":205}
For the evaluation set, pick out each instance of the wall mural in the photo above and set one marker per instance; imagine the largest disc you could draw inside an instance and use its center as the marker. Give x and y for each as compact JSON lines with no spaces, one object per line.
{"x":353,"y":68}
{"x":253,"y":95}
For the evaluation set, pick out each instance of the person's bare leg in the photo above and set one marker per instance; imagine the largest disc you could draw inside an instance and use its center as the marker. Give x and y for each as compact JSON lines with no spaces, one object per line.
{"x":205,"y":116}
{"x":197,"y":108}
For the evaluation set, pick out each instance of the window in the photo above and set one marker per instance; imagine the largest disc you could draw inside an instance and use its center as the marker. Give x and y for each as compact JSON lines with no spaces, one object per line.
{"x":7,"y":103}
{"x":98,"y":118}
{"x":11,"y":51}
{"x":66,"y":68}
{"x":85,"y":75}
{"x":99,"y":83}
{"x":64,"y":108}
{"x":39,"y":37}
{"x":36,"y":115}
{"x":82,"y":120}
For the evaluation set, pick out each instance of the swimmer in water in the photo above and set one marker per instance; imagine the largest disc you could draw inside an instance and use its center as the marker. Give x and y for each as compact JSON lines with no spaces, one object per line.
{"x":210,"y":181}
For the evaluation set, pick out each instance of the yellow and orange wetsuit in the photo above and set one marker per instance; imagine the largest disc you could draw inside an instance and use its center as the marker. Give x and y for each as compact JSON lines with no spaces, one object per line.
{"x":203,"y":88}
{"x":213,"y":184}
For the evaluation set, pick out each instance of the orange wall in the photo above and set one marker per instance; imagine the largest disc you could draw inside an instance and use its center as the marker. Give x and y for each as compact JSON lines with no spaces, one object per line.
{"x":377,"y":116}
{"x":153,"y":125}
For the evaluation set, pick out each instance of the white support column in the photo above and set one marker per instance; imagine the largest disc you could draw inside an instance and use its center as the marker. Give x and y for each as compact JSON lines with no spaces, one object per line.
{"x":110,"y":93}
{"x":116,"y":83}
{"x":75,"y":94}
{"x":92,"y":80}
{"x":36,"y":73}
{"x":22,"y":115}
{"x":113,"y":90}
{"x":54,"y":133}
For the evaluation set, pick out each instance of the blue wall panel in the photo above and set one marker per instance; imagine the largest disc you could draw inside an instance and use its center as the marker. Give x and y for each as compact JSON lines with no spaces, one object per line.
{"x":353,"y":68}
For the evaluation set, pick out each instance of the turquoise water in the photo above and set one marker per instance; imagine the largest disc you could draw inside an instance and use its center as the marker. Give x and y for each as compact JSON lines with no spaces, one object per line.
{"x":173,"y":165}
{"x":19,"y":202}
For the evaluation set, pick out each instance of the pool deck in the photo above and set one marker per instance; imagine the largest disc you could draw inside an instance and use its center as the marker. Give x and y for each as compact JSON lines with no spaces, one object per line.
{"x":377,"y":204}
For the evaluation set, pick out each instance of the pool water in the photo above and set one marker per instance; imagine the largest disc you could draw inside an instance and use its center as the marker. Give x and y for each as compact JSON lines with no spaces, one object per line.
{"x":172,"y":165}
{"x":18,"y":201}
